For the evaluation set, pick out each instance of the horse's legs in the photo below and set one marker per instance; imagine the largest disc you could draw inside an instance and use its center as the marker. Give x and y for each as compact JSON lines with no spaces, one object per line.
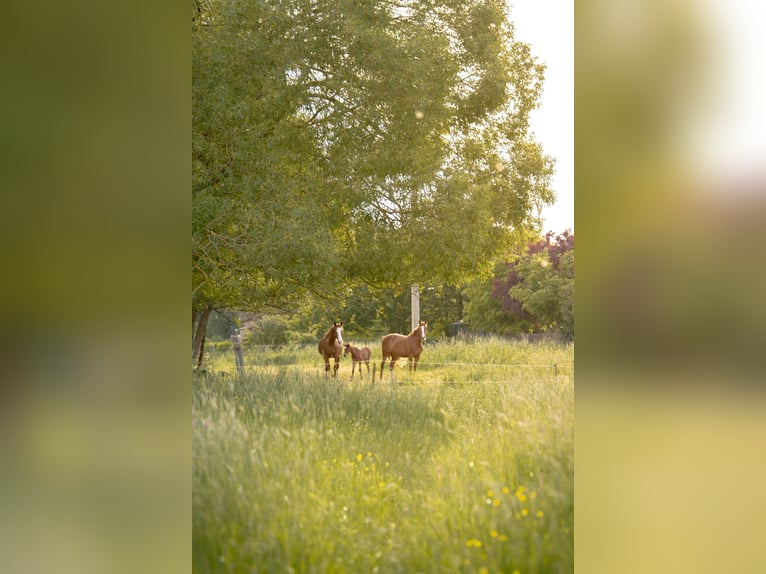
{"x":335,"y":370}
{"x":417,"y":358}
{"x":326,"y":365}
{"x":368,"y":368}
{"x":353,"y":368}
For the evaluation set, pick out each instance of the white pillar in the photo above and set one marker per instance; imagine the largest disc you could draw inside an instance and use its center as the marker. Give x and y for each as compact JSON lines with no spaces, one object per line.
{"x":415,"y":306}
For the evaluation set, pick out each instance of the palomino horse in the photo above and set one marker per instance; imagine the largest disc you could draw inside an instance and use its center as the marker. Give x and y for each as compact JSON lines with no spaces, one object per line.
{"x":410,"y":346}
{"x":331,"y":345}
{"x":358,"y":356}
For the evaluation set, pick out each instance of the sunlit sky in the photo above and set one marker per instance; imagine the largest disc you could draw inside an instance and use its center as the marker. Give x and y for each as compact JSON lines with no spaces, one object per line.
{"x":730,"y":141}
{"x":548,"y":27}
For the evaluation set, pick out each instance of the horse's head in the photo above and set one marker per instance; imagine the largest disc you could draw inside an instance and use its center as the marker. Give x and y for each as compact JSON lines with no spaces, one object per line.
{"x":346,"y":349}
{"x":423,"y":327}
{"x":338,"y":331}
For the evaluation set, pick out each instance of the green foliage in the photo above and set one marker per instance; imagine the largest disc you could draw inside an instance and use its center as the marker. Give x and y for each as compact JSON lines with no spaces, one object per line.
{"x":365,"y":312}
{"x":546,"y":292}
{"x":220,"y":327}
{"x":340,"y":143}
{"x":262,"y":232}
{"x":269,"y":330}
{"x":534,"y":292}
{"x":292,"y":473}
{"x":484,"y":310}
{"x":441,"y":306}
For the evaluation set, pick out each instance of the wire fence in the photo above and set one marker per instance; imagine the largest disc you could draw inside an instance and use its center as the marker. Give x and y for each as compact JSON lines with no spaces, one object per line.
{"x":245,"y":358}
{"x":440,"y":371}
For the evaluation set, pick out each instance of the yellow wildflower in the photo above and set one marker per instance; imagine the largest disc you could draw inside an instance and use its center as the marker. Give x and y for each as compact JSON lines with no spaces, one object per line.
{"x":524,"y":512}
{"x":490,"y":493}
{"x":539,"y":513}
{"x":493,"y":533}
{"x":359,"y":457}
{"x":506,"y":490}
{"x":496,"y":502}
{"x":475,"y":542}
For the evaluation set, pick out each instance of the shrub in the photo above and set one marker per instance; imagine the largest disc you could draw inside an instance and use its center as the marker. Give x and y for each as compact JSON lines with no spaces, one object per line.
{"x":269,"y":330}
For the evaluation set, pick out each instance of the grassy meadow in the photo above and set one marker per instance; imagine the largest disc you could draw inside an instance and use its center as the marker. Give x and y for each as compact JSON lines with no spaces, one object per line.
{"x":455,"y":468}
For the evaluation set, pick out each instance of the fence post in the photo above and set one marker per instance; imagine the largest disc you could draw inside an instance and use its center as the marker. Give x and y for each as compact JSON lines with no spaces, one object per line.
{"x":236,"y":339}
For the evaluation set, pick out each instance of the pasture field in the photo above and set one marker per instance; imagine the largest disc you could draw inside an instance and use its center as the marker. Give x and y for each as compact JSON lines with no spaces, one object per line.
{"x":454,"y":468}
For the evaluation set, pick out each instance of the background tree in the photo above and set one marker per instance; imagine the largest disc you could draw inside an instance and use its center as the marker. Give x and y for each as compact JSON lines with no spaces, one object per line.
{"x":546,"y":291}
{"x":338,"y":143}
{"x":534,"y":292}
{"x":489,"y":308}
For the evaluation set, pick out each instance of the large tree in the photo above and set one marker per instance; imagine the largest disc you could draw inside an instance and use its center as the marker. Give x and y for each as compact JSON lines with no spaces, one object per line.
{"x":338,"y":142}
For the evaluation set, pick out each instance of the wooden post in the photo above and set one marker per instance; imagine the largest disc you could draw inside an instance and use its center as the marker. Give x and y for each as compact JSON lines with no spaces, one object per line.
{"x":236,"y":339}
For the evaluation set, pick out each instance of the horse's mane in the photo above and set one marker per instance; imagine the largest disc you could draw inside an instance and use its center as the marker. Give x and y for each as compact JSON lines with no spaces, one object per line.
{"x":331,"y":332}
{"x":414,"y":330}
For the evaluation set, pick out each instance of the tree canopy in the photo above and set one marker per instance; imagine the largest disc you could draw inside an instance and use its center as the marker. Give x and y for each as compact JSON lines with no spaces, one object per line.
{"x":337,"y":143}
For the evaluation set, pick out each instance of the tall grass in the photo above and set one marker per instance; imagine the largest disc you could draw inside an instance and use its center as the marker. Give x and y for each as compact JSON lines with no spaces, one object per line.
{"x":293,"y":472}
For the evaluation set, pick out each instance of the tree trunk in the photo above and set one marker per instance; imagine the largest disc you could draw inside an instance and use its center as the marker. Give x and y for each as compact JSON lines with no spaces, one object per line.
{"x":201,"y":353}
{"x":199,"y":335}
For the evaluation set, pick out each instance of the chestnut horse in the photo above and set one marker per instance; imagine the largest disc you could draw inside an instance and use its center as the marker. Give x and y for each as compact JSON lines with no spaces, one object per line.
{"x":330,"y":346}
{"x":358,"y":355}
{"x":410,"y":346}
